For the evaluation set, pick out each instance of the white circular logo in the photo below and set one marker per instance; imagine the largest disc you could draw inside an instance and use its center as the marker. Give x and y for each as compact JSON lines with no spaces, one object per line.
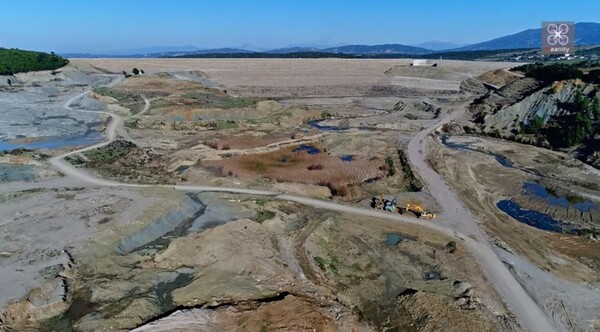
{"x":558,"y":34}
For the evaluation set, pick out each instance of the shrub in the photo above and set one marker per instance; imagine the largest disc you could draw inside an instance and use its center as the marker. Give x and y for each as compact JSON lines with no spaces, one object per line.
{"x":213,"y":145}
{"x":320,"y":262}
{"x":534,"y":127}
{"x":389,"y":161}
{"x":414,"y":184}
{"x":593,"y":76}
{"x":451,"y":246}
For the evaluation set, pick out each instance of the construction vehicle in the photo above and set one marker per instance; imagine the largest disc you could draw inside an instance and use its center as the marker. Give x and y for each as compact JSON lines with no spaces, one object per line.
{"x":381,"y":203}
{"x":419,"y":211}
{"x":377,"y":202}
{"x":390,"y":206}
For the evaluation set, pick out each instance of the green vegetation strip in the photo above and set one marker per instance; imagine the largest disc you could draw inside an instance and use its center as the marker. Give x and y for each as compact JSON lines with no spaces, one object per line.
{"x":110,"y":152}
{"x":14,"y":61}
{"x":557,"y":71}
{"x":414,"y":184}
{"x":220,"y":101}
{"x":132,"y":101}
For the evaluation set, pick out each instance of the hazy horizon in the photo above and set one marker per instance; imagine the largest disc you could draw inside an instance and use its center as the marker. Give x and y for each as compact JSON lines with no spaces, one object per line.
{"x":105,"y":26}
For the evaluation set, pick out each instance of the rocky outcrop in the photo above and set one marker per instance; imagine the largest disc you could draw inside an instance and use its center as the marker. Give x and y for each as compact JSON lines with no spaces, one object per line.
{"x":594,"y":159}
{"x":544,"y":103}
{"x":538,"y":113}
{"x":494,"y":101}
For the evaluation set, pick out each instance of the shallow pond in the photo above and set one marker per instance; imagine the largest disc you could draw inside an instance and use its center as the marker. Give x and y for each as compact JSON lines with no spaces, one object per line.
{"x":393,"y":239}
{"x":534,"y":218}
{"x":182,"y":169}
{"x":308,"y":148}
{"x":87,"y":139}
{"x":316,"y":124}
{"x":538,"y":191}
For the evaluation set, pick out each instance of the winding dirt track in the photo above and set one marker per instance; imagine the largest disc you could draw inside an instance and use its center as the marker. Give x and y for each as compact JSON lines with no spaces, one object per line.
{"x":454,"y":221}
{"x":456,"y":217}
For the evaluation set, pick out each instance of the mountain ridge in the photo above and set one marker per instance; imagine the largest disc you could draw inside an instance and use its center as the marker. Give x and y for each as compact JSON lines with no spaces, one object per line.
{"x":587,"y":33}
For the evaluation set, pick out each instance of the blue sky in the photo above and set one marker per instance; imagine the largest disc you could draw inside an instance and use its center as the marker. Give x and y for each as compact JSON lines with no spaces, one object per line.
{"x":105,"y":25}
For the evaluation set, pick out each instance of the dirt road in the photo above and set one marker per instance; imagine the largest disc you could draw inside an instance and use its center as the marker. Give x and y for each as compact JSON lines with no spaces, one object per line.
{"x":456,"y":217}
{"x":455,"y":220}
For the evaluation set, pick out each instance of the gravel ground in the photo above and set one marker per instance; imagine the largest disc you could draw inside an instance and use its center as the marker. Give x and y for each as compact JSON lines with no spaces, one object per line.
{"x":574,"y":307}
{"x":287,"y":72}
{"x":37,"y":227}
{"x":32,"y":108}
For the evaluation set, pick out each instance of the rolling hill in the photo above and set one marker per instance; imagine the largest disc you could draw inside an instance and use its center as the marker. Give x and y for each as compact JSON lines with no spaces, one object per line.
{"x":585,"y":33}
{"x":436,"y":45}
{"x":377,"y":49}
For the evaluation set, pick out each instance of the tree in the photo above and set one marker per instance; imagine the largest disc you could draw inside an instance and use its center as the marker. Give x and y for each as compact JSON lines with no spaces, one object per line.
{"x":582,"y":102}
{"x":569,"y":130}
{"x":390,"y":164}
{"x":594,"y":76}
{"x":142,"y":71}
{"x":550,"y":72}
{"x":535,"y":126}
{"x":17,"y":61}
{"x":596,"y":108}
{"x":135,"y":71}
{"x":9,"y":81}
{"x":124,"y":73}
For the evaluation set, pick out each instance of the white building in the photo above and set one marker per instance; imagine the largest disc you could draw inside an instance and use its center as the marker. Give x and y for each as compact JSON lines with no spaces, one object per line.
{"x":420,"y":62}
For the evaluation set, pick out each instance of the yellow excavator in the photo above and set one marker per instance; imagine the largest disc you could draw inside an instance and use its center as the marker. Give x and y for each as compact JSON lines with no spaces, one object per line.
{"x":419,"y":212}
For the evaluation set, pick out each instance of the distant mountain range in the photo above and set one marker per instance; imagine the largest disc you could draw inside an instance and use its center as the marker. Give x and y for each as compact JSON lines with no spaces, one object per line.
{"x":156,"y":49}
{"x":436,"y":45}
{"x":586,"y":34}
{"x":377,"y":49}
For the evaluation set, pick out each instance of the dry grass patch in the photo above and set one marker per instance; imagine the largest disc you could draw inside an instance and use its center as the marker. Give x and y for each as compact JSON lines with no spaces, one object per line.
{"x":497,"y":77}
{"x":298,"y":165}
{"x":165,"y":85}
{"x":249,"y":140}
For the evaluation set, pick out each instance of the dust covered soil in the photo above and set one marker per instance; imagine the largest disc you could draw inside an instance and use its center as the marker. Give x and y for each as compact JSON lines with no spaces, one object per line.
{"x":562,"y":238}
{"x":205,"y":126}
{"x":211,"y":262}
{"x":152,"y":259}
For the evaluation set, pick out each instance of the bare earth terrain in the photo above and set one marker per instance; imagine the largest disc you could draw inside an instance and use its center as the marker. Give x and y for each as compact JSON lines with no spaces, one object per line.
{"x":220,"y":195}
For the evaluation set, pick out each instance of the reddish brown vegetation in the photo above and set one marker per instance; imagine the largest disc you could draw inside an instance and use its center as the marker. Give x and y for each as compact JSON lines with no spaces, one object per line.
{"x":212,"y":145}
{"x":248,"y":141}
{"x":285,"y":165}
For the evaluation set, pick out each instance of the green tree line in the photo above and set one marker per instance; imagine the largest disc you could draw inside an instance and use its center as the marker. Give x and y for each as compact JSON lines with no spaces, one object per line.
{"x":561,"y":71}
{"x":14,"y":61}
